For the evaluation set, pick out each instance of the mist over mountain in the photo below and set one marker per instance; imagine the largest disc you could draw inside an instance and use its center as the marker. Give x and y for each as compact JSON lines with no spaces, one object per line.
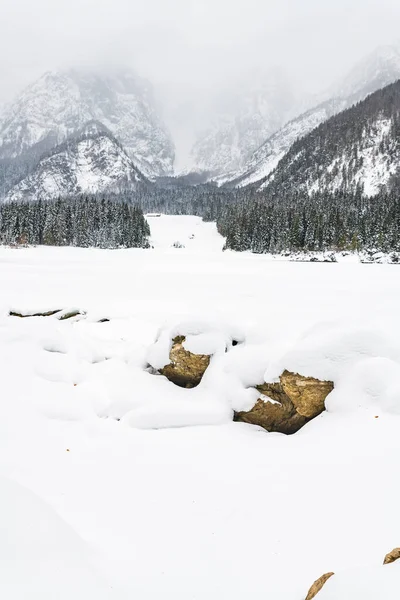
{"x":244,"y":117}
{"x":357,"y":150}
{"x":375,"y":71}
{"x":254,"y":123}
{"x":59,"y":103}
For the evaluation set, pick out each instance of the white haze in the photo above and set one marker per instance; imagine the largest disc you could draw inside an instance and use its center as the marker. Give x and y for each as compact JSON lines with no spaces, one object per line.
{"x":193,"y":51}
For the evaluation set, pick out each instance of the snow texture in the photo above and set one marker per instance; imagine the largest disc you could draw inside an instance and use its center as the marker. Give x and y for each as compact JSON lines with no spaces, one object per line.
{"x":138,"y":488}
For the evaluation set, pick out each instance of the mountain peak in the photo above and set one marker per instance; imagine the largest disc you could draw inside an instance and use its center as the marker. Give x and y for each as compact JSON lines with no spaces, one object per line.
{"x":60,"y":103}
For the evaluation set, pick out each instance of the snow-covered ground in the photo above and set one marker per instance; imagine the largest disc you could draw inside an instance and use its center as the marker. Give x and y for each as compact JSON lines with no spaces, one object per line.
{"x":103,"y":491}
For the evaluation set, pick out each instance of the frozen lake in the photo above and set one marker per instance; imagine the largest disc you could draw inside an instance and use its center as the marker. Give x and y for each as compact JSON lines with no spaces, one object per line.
{"x":197,"y":512}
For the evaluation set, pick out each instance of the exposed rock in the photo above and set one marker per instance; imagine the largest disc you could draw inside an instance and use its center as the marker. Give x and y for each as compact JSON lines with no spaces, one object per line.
{"x":392,"y":556}
{"x":70,"y":314}
{"x":185,"y":369}
{"x":318,"y":585}
{"x":285,"y":407}
{"x":49,"y":313}
{"x":307,"y":394}
{"x":61,"y":315}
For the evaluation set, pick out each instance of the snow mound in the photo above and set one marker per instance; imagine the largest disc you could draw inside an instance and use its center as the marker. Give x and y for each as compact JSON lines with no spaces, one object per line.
{"x":209,"y":338}
{"x":127,"y":460}
{"x":40,"y":555}
{"x":363,"y":362}
{"x":376,"y":583}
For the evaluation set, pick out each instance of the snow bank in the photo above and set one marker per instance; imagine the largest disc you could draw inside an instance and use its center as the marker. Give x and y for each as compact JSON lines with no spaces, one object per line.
{"x":375,"y":583}
{"x":202,"y":337}
{"x":40,"y":555}
{"x":362,"y":360}
{"x":147,"y":493}
{"x":81,"y":369}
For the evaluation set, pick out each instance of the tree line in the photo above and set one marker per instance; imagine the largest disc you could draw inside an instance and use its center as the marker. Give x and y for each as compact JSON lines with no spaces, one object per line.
{"x":340,"y":221}
{"x":84,"y":221}
{"x":249,"y":220}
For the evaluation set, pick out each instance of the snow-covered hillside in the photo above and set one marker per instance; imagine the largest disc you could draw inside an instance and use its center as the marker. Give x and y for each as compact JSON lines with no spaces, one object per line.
{"x":154,"y":485}
{"x":92,"y":161}
{"x":376,"y":71}
{"x":266,"y":157}
{"x":357,"y":149}
{"x":60,"y":103}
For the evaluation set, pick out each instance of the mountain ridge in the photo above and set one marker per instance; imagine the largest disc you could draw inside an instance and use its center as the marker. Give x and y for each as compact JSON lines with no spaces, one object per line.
{"x":60,"y":102}
{"x":356,"y":150}
{"x":374,"y":72}
{"x":89,"y":161}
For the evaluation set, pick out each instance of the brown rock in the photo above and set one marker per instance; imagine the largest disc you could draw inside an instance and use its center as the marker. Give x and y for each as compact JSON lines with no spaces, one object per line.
{"x":49,"y":313}
{"x":59,"y":314}
{"x":318,"y":585}
{"x":295,"y":401}
{"x":392,"y":556}
{"x":185,"y":369}
{"x":307,"y":394}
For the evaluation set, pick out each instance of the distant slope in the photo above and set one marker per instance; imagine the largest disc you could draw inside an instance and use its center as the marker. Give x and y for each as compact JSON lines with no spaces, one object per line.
{"x":59,"y":103}
{"x":267,"y":157}
{"x":92,"y":161}
{"x":377,"y":70}
{"x":192,"y":233}
{"x":359,"y":149}
{"x":243,"y":119}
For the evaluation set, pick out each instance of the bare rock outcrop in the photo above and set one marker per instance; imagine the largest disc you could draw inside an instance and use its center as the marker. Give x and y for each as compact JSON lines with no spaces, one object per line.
{"x":185,"y":369}
{"x":318,"y":585}
{"x":285,"y":407}
{"x":392,"y":556}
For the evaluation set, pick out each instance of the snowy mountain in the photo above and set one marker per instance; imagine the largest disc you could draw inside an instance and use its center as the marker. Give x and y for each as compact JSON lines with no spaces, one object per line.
{"x":358,"y":149}
{"x":374,"y":72}
{"x":92,"y":161}
{"x":60,"y":103}
{"x":244,"y":119}
{"x":377,"y":70}
{"x":266,"y":157}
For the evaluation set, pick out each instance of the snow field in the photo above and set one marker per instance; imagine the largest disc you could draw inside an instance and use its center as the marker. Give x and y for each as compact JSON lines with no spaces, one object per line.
{"x":146,"y":489}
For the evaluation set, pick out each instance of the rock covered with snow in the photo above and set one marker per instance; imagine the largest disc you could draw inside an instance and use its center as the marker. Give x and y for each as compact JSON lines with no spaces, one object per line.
{"x":59,"y":103}
{"x":183,"y":352}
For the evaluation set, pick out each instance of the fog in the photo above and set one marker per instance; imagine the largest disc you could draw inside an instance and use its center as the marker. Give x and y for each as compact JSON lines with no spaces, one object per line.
{"x":192,"y":50}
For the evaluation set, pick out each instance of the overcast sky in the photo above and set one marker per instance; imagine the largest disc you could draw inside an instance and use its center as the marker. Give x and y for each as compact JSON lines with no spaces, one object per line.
{"x":192,"y":42}
{"x":192,"y":49}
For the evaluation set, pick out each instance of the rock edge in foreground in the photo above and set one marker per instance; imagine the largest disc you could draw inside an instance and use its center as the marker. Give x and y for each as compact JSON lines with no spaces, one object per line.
{"x":185,"y":369}
{"x":285,"y":407}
